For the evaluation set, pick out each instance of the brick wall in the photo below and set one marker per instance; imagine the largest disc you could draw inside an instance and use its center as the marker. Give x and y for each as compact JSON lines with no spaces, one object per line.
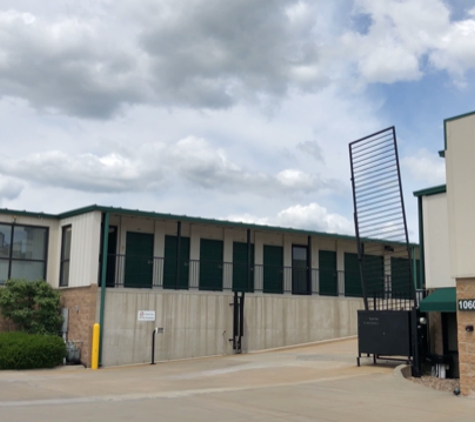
{"x":81,"y":302}
{"x":466,"y":340}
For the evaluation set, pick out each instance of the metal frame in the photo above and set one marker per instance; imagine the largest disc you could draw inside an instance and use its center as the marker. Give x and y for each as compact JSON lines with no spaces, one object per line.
{"x":379,"y":213}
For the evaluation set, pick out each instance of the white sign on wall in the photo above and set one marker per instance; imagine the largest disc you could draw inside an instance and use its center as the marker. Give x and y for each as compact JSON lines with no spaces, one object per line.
{"x":146,"y":316}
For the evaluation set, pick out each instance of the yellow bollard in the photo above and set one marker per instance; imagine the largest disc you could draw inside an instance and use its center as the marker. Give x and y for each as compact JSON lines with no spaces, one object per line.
{"x":95,"y":347}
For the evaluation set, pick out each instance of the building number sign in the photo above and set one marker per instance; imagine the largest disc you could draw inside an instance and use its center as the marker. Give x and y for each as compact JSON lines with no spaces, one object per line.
{"x":466,"y":305}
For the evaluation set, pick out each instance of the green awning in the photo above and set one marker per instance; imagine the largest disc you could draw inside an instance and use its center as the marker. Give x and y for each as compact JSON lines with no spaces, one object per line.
{"x":442,"y":300}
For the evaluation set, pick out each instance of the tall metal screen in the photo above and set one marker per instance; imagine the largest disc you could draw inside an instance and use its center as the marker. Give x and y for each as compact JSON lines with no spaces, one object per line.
{"x":385,"y":267}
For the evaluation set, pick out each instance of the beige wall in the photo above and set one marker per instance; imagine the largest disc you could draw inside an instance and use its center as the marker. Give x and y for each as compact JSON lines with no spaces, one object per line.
{"x":200,"y":324}
{"x":436,"y":242}
{"x":460,"y":170}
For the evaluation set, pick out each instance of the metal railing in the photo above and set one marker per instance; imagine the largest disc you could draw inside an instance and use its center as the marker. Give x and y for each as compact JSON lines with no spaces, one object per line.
{"x":164,"y":273}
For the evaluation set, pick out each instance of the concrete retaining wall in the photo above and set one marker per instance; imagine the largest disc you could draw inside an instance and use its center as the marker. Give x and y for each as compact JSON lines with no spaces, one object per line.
{"x":200,"y":324}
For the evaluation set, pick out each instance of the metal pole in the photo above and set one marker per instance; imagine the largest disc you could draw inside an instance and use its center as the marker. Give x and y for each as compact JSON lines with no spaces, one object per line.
{"x":248,"y":260}
{"x":235,"y":320}
{"x":241,"y":320}
{"x":105,"y":245}
{"x":309,"y":266}
{"x":153,"y":346}
{"x":178,"y":250}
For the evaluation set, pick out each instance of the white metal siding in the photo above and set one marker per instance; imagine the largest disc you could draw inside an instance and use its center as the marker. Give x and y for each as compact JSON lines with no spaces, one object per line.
{"x":436,"y":241}
{"x":85,"y":245}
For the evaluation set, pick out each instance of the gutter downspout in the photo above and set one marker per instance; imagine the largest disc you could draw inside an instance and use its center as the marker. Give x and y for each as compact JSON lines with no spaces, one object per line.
{"x":105,"y":245}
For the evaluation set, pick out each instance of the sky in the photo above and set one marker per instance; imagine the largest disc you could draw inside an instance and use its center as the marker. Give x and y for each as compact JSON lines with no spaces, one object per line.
{"x":239,"y":109}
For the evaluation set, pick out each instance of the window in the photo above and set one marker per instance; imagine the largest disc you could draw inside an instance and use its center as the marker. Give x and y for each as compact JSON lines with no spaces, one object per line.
{"x":22,"y":252}
{"x":65,"y":256}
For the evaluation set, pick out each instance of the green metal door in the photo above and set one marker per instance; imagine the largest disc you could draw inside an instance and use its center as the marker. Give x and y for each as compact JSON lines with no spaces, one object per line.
{"x":327,"y":273}
{"x":211,"y":264}
{"x":273,"y":269}
{"x":138,"y":260}
{"x":170,"y":263}
{"x":300,"y":284}
{"x":402,"y":283}
{"x":373,"y":268}
{"x":352,"y":276}
{"x":240,"y":282}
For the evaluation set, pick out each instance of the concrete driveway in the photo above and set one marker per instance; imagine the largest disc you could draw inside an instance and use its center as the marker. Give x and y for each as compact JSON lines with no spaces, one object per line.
{"x":313,"y":383}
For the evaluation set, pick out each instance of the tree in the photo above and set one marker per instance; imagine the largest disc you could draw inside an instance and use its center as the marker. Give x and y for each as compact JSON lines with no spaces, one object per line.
{"x":33,"y":306}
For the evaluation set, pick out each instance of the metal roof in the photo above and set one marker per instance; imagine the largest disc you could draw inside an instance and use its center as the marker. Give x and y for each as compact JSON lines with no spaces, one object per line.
{"x":185,"y":218}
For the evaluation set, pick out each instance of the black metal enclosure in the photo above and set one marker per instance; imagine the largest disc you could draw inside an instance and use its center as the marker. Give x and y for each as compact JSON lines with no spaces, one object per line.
{"x":384,"y":333}
{"x":389,"y":323}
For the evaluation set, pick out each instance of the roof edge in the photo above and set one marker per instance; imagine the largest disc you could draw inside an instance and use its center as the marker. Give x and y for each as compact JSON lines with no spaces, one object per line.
{"x":25,"y":213}
{"x":435,"y":190}
{"x":185,"y":218}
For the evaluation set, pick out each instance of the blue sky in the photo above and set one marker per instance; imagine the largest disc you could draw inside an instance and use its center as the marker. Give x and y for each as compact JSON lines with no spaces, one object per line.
{"x":240,"y":110}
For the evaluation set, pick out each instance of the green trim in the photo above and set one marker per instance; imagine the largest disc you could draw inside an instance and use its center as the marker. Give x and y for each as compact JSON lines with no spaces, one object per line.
{"x":199,"y":220}
{"x":441,"y":300}
{"x":422,"y":267}
{"x":431,"y":191}
{"x":27,"y":213}
{"x":450,"y":119}
{"x":105,"y":244}
{"x":442,"y":153}
{"x":222,"y":223}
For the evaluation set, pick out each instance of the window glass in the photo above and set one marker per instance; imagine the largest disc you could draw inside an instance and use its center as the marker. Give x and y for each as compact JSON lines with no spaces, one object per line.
{"x":66,"y":251}
{"x":28,"y":270}
{"x":65,"y":255}
{"x":3,"y":270}
{"x":5,"y":238}
{"x":29,"y":243}
{"x":299,"y":253}
{"x":64,"y":274}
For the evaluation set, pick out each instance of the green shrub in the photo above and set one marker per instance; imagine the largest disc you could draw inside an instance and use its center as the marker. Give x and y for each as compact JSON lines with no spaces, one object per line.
{"x":30,"y":351}
{"x":33,"y":306}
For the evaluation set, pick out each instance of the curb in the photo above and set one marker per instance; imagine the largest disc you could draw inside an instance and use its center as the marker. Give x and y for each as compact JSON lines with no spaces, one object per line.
{"x":402,"y":371}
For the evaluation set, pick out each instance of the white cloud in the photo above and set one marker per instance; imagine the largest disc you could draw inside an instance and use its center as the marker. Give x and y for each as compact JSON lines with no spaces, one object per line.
{"x":309,"y":217}
{"x":207,"y":54}
{"x":456,"y":50}
{"x":425,"y":167}
{"x":191,"y":160}
{"x":312,"y":148}
{"x":9,"y":188}
{"x":314,"y":216}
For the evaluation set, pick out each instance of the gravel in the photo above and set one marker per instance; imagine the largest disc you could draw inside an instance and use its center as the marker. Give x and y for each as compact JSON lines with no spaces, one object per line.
{"x":441,"y":384}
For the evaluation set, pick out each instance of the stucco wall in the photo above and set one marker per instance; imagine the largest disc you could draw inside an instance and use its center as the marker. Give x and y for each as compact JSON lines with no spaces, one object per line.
{"x":461,"y":200}
{"x":200,"y":324}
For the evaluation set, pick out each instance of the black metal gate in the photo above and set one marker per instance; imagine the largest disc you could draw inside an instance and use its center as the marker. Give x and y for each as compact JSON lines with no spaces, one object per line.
{"x":388,"y":325}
